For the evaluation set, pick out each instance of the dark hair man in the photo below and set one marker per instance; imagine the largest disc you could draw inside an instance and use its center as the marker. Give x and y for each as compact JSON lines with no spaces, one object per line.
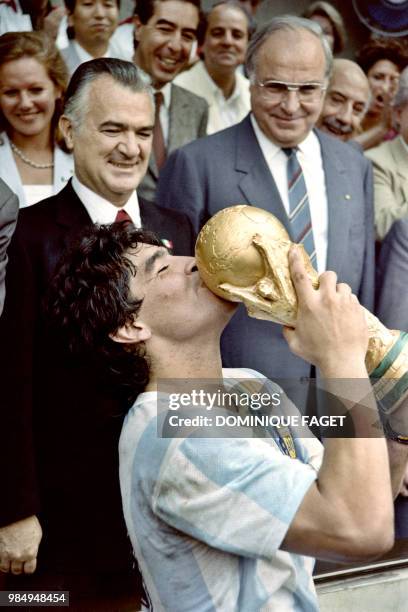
{"x":91,"y":26}
{"x":255,"y":162}
{"x":221,"y":522}
{"x":59,"y":425}
{"x":165,"y":32}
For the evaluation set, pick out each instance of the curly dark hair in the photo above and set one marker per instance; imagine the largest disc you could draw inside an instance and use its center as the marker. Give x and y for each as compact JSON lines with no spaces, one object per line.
{"x":378,"y":49}
{"x":89,"y":298}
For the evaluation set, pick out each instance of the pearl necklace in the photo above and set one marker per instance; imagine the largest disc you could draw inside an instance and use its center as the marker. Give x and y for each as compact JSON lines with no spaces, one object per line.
{"x":25,"y":159}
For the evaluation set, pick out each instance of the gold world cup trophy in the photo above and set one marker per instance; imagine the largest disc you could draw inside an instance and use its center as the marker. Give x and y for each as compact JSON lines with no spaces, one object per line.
{"x":242,"y":256}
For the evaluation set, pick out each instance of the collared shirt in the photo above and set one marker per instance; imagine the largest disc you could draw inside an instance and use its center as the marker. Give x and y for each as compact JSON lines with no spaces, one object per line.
{"x":310,"y":158}
{"x":223,"y":112}
{"x":102,"y":211}
{"x":84,"y":56}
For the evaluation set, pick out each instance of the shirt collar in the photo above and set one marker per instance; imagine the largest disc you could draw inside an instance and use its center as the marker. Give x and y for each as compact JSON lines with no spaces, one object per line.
{"x":102,"y":211}
{"x":307,"y":147}
{"x":165,"y":90}
{"x":84,"y":56}
{"x":216,"y":90}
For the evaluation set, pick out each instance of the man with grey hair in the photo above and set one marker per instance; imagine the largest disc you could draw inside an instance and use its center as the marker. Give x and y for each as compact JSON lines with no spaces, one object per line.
{"x":346,"y":101}
{"x":59,"y":423}
{"x":318,"y":187}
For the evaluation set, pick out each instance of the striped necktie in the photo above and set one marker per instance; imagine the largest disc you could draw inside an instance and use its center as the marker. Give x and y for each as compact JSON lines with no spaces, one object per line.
{"x":299,"y":210}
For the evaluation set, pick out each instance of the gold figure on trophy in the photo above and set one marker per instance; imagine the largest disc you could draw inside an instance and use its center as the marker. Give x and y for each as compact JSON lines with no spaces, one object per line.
{"x":242,"y":256}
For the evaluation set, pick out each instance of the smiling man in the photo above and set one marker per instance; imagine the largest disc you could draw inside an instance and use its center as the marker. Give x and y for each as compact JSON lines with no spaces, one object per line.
{"x":220,"y":522}
{"x":328,"y":207}
{"x":216,"y":78}
{"x":346,"y":101}
{"x":60,"y":425}
{"x":164,"y":37}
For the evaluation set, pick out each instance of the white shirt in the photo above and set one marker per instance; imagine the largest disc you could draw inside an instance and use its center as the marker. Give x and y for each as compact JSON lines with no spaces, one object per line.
{"x":223,"y":112}
{"x":12,"y":21}
{"x":102,"y":211}
{"x":36,"y":193}
{"x":310,"y":158}
{"x":84,"y":56}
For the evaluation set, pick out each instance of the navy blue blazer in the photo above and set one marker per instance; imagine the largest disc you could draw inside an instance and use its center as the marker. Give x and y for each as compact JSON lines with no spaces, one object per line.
{"x":228,"y":168}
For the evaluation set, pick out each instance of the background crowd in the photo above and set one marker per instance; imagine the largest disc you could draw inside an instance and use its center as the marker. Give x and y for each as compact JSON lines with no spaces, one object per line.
{"x":226,"y":127}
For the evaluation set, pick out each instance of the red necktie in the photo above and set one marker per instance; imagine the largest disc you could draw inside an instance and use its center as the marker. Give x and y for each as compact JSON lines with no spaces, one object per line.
{"x":10,"y":3}
{"x":122,"y":216}
{"x":159,"y":147}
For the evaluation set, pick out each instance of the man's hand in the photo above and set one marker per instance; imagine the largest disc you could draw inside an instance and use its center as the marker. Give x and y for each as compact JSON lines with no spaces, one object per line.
{"x":52,"y":21}
{"x":19,"y":544}
{"x":331,"y":330}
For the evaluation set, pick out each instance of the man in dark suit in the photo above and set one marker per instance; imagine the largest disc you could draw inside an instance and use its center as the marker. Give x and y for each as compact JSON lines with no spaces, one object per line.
{"x":164,"y":36}
{"x":288,"y":62}
{"x":59,"y":423}
{"x":8,"y":217}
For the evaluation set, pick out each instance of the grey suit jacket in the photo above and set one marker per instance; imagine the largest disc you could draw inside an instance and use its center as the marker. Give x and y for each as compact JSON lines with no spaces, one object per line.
{"x":8,"y":218}
{"x":228,"y":168}
{"x":392,"y":278}
{"x":188,"y":116}
{"x":390,"y":163}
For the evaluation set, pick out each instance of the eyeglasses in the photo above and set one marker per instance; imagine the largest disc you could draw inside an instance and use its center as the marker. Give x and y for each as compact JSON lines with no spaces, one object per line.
{"x":275,"y":91}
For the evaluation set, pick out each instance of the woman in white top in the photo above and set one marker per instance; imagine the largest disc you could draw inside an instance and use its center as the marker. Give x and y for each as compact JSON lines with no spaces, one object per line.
{"x":32,"y":83}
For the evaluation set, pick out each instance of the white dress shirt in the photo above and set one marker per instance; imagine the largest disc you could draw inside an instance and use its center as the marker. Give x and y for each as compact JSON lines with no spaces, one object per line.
{"x":102,"y":211}
{"x":223,"y":112}
{"x":310,"y":159}
{"x":14,"y":21}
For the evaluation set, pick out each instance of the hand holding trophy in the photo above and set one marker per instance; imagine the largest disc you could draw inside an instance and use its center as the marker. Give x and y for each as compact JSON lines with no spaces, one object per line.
{"x":242,"y":256}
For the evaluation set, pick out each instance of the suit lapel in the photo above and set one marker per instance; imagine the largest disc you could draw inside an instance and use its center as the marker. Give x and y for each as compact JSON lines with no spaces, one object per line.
{"x":256,"y":183}
{"x":70,"y":213}
{"x":181,"y":116}
{"x":339,"y":202}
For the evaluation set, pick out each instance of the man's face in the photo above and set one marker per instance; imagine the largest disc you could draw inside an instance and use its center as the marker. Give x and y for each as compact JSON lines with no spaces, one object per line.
{"x":112,"y":144}
{"x":291,"y":57}
{"x":345,"y":103}
{"x":226,"y":39}
{"x":383,"y":77}
{"x":177,"y":306}
{"x":165,"y":41}
{"x":94,"y":21}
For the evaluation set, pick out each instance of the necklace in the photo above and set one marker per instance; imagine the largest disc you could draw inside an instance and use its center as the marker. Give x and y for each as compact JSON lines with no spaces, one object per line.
{"x":25,"y":159}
